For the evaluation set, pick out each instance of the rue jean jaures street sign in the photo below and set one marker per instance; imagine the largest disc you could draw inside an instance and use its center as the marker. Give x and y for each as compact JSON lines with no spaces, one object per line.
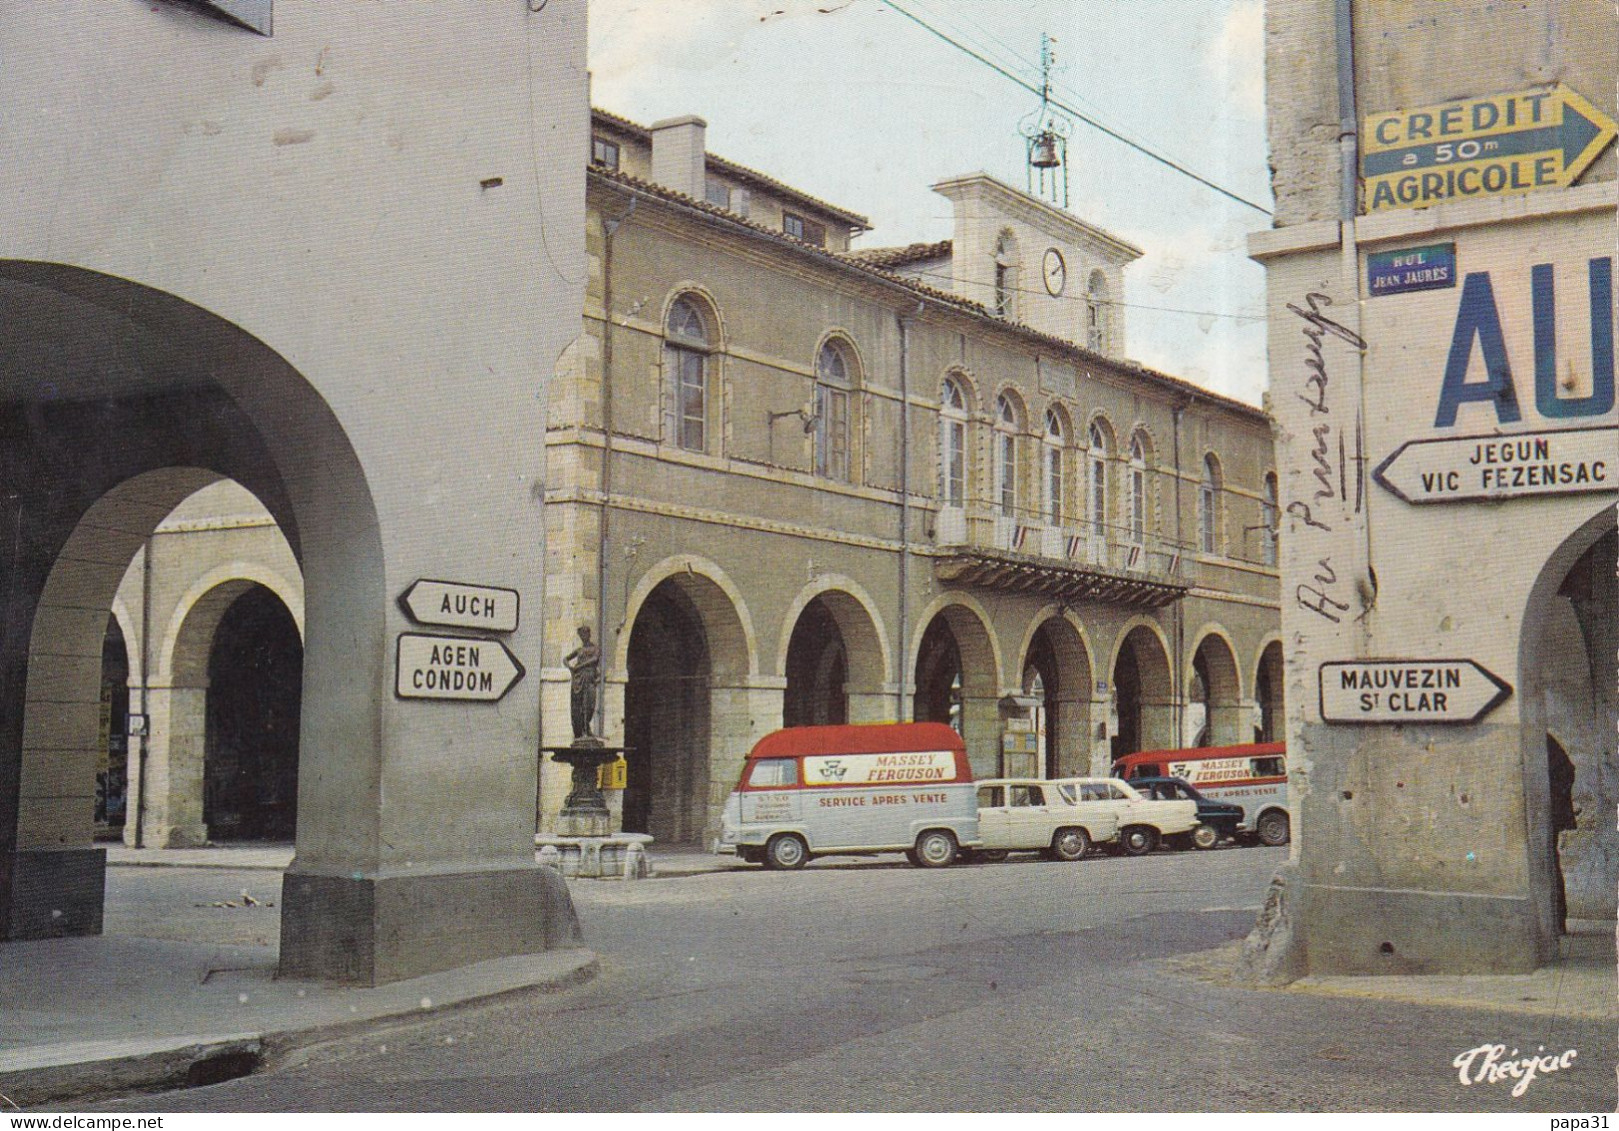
{"x":1476,"y":147}
{"x":1408,"y":691}
{"x":1411,"y":269}
{"x":1471,"y":468}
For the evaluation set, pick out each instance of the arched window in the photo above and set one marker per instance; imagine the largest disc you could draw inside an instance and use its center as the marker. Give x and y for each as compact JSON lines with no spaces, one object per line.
{"x":952,"y":444}
{"x":1096,"y":312}
{"x":1138,"y":490}
{"x":686,"y":349}
{"x":1208,"y":506}
{"x":832,"y":412}
{"x":1098,"y":485}
{"x":1006,"y":275}
{"x":1270,"y":515}
{"x":1006,"y":424}
{"x":1056,"y":434}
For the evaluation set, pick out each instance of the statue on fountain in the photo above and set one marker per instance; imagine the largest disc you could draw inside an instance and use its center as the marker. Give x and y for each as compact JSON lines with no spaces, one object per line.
{"x":584,"y":667}
{"x":585,"y":839}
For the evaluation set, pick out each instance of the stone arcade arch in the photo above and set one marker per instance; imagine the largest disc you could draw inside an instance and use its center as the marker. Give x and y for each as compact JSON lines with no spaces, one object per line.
{"x":1214,"y":684}
{"x":193,"y":399}
{"x":835,"y":662}
{"x":1567,"y":671}
{"x":1143,"y":693}
{"x":250,"y":739}
{"x":958,"y":678}
{"x":1270,"y":701}
{"x":195,"y":579}
{"x":817,"y":671}
{"x":1056,"y":653}
{"x":202,"y":711}
{"x":350,"y":359}
{"x":688,"y":665}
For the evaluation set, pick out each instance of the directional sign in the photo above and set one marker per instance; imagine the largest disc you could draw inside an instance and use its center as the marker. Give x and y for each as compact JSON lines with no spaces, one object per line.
{"x":1496,"y":146}
{"x":1463,"y":469}
{"x":1408,"y":691}
{"x":454,"y":667}
{"x":457,"y":605}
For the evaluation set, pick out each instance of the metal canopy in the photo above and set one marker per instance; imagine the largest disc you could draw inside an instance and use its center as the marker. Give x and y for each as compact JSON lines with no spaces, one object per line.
{"x":1069,"y":582}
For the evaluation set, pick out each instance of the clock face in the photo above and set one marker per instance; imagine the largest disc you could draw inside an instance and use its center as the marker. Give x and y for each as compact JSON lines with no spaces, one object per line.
{"x":1056,"y":272}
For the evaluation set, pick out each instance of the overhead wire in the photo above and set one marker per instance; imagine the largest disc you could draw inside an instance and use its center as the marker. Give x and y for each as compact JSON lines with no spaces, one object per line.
{"x":1033,"y":69}
{"x":1006,"y":73}
{"x":1099,"y":301}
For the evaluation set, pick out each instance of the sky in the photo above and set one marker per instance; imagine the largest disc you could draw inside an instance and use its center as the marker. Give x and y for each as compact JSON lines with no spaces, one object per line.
{"x":853,"y":102}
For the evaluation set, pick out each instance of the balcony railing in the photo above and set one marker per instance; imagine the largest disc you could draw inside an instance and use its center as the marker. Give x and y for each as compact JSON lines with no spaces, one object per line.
{"x":1024,"y":549}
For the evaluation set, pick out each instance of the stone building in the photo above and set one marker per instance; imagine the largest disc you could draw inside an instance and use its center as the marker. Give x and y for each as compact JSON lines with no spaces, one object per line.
{"x":291,"y":244}
{"x":1441,"y":343}
{"x":789,"y":482}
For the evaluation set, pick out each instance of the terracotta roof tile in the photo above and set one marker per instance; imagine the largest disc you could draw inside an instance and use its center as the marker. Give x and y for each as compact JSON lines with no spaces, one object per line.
{"x":743,"y":173}
{"x":891,"y":257}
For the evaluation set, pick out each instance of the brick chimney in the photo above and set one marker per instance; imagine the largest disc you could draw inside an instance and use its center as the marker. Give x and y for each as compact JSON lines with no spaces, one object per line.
{"x":678,"y":155}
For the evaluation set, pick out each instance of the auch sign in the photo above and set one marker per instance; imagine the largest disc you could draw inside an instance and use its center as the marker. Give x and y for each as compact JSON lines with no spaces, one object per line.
{"x":1408,"y":691}
{"x":455,"y":604}
{"x":454,"y":667}
{"x":1461,"y":469}
{"x":1495,"y":146}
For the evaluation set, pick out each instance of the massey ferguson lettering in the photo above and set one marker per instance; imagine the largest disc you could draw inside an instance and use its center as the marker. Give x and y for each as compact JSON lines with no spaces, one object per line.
{"x":919,"y":767}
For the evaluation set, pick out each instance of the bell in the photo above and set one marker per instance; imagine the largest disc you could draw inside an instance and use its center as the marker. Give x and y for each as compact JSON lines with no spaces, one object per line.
{"x":1043,"y":154}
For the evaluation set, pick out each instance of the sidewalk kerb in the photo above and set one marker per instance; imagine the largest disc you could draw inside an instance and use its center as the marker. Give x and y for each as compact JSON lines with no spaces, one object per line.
{"x":86,"y":1071}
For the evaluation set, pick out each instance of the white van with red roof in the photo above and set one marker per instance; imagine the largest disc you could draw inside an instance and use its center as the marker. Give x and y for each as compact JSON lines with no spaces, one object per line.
{"x":1252,"y":775}
{"x":853,"y":790}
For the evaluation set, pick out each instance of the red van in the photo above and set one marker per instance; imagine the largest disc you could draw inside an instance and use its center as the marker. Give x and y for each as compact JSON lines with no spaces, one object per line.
{"x":853,"y":790}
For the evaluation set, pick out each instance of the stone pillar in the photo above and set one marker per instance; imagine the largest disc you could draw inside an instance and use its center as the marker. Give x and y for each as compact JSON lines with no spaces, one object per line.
{"x":874,"y":706}
{"x":1158,"y":723}
{"x":52,"y":884}
{"x":1232,"y":723}
{"x":1071,"y":750}
{"x":738,"y":717}
{"x":177,"y":721}
{"x":555,"y":779}
{"x":981,"y":731}
{"x":1099,"y":751}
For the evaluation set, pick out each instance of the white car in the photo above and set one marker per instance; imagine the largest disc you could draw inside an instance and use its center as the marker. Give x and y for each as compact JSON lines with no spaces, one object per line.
{"x":1142,"y":823}
{"x":1033,"y":815}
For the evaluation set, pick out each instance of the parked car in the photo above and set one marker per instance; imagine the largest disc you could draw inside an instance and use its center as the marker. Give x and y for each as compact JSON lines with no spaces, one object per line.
{"x":1253,"y":775}
{"x":1032,"y":815}
{"x":1143,"y":823}
{"x":1216,"y":820}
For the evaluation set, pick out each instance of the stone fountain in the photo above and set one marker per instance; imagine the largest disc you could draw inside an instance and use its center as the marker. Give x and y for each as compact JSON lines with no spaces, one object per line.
{"x":585,"y":844}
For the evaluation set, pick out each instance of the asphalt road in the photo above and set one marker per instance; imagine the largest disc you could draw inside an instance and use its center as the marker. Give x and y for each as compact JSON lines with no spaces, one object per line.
{"x":873,"y":986}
